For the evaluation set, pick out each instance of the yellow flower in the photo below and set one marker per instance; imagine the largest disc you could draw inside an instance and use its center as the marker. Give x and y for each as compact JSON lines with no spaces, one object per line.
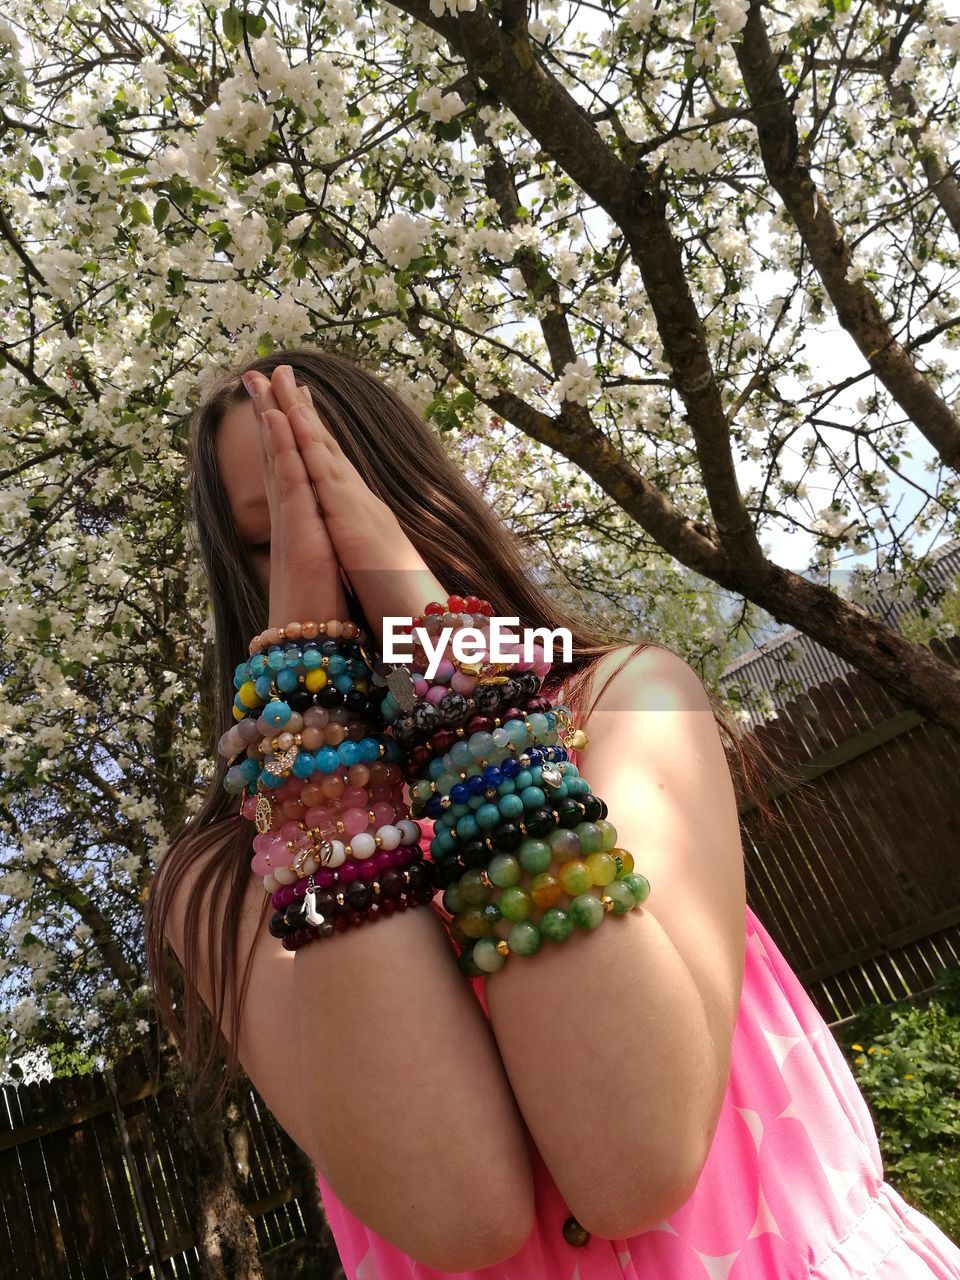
{"x":858,"y":1047}
{"x":908,"y":1077}
{"x":871,"y":1049}
{"x":861,"y":1060}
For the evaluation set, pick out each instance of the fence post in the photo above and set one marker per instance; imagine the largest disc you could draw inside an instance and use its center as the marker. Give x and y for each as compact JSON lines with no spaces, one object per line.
{"x":138,"y":1195}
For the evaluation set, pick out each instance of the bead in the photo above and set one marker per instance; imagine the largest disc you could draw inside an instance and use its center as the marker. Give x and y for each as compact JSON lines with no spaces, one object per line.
{"x":276,"y":714}
{"x":472,"y":889}
{"x":575,"y":877}
{"x":609,"y":833}
{"x":603,"y":868}
{"x":524,"y":938}
{"x":545,"y":890}
{"x":623,"y":859}
{"x":474,"y":923}
{"x":575,"y":1234}
{"x":535,"y":856}
{"x":564,"y":844}
{"x":586,"y":911}
{"x":555,"y":925}
{"x":638,"y":885}
{"x":504,"y":871}
{"x":515,"y":904}
{"x":622,"y":897}
{"x":487,"y":956}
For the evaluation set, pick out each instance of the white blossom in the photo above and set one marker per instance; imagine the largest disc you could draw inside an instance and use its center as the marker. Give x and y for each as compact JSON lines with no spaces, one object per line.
{"x":400,"y":238}
{"x":578,"y":382}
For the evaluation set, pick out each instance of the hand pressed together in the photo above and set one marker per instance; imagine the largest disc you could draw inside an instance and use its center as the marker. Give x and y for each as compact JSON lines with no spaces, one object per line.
{"x":384,"y":568}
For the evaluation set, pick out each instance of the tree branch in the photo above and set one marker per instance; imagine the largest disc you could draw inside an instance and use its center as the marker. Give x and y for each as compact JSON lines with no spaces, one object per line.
{"x":857,"y":308}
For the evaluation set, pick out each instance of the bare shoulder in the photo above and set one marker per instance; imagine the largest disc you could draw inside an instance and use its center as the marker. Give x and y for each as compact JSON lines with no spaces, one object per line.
{"x":653,"y":679}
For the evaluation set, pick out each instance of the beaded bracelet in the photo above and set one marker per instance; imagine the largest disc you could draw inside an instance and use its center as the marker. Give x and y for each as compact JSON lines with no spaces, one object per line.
{"x":332,"y":674}
{"x":409,"y":685}
{"x":317,"y":911}
{"x":494,"y":786}
{"x":334,"y":629}
{"x":316,"y":769}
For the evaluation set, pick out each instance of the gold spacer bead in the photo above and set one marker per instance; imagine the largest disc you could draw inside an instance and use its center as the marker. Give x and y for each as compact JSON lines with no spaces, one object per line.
{"x":503,"y":947}
{"x":523,"y":827}
{"x":375,"y":886}
{"x":340,"y":899}
{"x":340,"y":827}
{"x":608,"y":903}
{"x":378,"y":841}
{"x":485,"y":880}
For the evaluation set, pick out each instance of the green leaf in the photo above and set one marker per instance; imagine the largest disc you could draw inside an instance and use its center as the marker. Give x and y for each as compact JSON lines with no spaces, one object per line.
{"x":353,"y":111}
{"x":160,"y":211}
{"x":161,"y":320}
{"x":300,"y":268}
{"x":44,"y":628}
{"x":265,"y":344}
{"x":140,"y":213}
{"x":294,"y":202}
{"x":256,"y":24}
{"x":233,"y":25}
{"x":35,"y":167}
{"x":135,"y":460}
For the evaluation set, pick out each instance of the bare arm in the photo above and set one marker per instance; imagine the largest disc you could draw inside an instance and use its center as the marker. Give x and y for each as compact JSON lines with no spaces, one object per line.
{"x":376,"y":1058}
{"x":617,"y":1045}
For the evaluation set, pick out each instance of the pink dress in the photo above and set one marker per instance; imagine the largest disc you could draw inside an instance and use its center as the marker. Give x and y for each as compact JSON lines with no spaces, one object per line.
{"x":792,"y":1189}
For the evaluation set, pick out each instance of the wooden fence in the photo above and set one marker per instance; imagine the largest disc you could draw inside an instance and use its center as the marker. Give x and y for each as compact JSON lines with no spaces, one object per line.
{"x":860,"y":882}
{"x":93,"y":1183}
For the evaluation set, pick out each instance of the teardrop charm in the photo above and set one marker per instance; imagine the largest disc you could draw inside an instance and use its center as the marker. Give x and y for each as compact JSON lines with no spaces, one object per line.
{"x":263,"y":815}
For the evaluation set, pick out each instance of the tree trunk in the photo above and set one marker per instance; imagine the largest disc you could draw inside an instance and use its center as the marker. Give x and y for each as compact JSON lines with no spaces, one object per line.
{"x":226,"y":1236}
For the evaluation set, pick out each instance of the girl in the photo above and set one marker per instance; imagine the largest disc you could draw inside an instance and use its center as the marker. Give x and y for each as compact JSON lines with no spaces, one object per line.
{"x":658,"y":1100}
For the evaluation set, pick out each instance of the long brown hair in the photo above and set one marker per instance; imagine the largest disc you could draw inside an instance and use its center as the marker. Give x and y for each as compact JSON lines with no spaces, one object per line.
{"x":402,"y":460}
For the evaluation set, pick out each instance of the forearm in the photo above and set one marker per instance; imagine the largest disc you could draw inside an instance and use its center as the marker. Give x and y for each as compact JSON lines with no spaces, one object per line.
{"x":415,"y":1125}
{"x":605,"y":1043}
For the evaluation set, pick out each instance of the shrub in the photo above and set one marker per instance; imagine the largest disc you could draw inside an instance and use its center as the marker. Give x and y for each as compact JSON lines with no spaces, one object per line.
{"x":906,"y":1060}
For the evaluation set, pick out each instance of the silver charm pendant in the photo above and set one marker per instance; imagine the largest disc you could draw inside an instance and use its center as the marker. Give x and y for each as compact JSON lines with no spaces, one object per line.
{"x":551,"y":776}
{"x":313,"y":916}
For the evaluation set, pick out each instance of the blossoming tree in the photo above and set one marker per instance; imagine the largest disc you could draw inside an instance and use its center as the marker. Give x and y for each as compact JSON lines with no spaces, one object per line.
{"x":610,"y":250}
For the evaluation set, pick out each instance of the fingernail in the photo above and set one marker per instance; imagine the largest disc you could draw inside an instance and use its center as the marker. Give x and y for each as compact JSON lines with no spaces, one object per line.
{"x":249,"y":385}
{"x":305,"y":393}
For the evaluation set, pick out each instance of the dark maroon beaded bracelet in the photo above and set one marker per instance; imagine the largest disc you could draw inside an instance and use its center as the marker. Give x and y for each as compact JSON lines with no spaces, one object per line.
{"x":348,"y":872}
{"x":347,"y":919}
